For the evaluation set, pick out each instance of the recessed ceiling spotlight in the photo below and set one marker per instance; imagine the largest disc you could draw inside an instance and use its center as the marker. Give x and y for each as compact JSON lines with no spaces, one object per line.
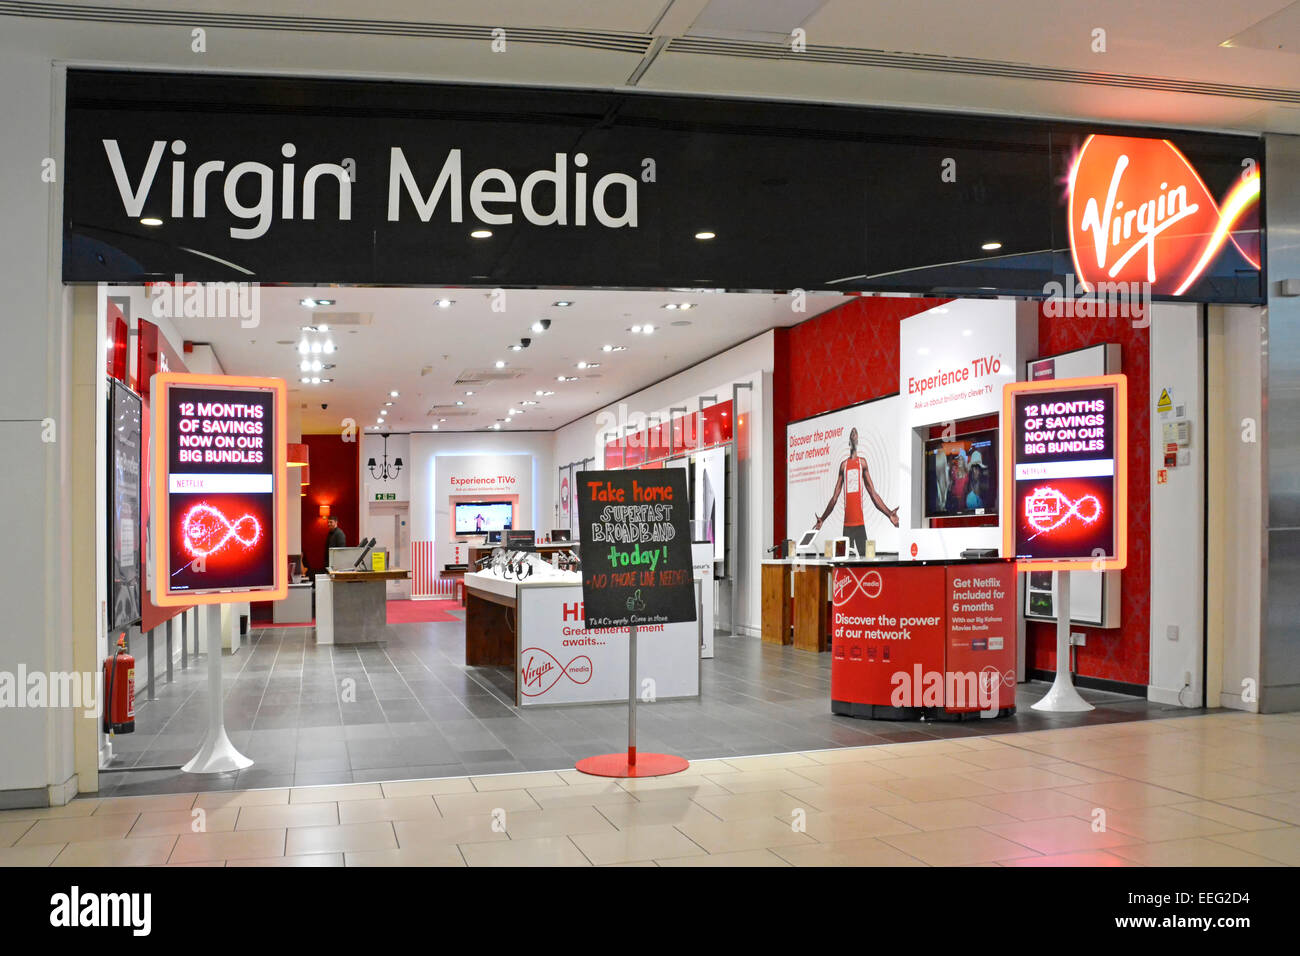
{"x":151,"y":221}
{"x":469,"y":393}
{"x":442,"y":419}
{"x":500,"y":364}
{"x":434,"y":427}
{"x":307,"y":303}
{"x":566,"y":378}
{"x":304,"y":365}
{"x":635,"y":330}
{"x":389,"y":404}
{"x":324,"y":302}
{"x":322,"y":328}
{"x":541,"y":325}
{"x":706,"y":235}
{"x":543,"y":393}
{"x":562,"y":304}
{"x":315,"y":348}
{"x":315,"y":380}
{"x":528,"y":402}
{"x":460,"y":403}
{"x":496,"y":425}
{"x":990,"y":246}
{"x":326,"y":381}
{"x":514,"y":348}
{"x":303,"y":347}
{"x":444,"y":303}
{"x":670,"y":306}
{"x":647,"y":329}
{"x":481,"y":234}
{"x":328,"y":347}
{"x":588,"y":365}
{"x":392,"y":394}
{"x":305,"y":380}
{"x":317,"y":365}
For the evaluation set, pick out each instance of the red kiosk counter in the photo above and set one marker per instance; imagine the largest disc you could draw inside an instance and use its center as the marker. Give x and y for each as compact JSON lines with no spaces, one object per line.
{"x":934,"y":639}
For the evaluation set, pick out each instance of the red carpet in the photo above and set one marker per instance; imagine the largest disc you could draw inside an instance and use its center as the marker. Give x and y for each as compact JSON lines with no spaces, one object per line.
{"x":417,"y":612}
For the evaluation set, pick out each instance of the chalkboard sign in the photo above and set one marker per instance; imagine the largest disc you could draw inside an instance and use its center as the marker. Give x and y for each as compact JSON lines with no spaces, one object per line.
{"x":636,"y":547}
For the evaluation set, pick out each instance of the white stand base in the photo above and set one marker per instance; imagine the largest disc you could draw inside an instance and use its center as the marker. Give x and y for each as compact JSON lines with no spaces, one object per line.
{"x":217,"y":754}
{"x":1062,"y":698}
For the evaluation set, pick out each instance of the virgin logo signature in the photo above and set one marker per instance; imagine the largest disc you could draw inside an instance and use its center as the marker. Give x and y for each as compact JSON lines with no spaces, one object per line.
{"x":850,"y":582}
{"x":543,"y":670}
{"x":1139,"y":212}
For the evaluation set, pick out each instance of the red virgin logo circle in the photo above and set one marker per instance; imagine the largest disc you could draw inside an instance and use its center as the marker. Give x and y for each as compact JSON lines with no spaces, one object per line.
{"x":914,"y":549}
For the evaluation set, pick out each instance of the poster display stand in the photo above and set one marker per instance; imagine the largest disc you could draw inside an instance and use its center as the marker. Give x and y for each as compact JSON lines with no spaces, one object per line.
{"x":636,"y":570}
{"x":1065,"y":471}
{"x":219,"y":518}
{"x":216,"y":754}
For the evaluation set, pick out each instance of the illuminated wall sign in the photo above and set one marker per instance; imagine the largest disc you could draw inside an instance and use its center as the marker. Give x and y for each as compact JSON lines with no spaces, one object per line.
{"x":1140,"y":213}
{"x":220,"y":513}
{"x":1065,"y":455}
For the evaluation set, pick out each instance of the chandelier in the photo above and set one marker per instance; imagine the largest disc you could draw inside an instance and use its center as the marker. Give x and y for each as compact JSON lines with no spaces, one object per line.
{"x":385,"y":472}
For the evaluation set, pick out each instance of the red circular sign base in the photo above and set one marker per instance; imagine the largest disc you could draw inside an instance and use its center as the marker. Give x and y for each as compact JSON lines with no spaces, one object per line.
{"x":647,"y":765}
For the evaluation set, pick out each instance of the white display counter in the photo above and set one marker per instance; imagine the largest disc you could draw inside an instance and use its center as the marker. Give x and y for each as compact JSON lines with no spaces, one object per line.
{"x":537,"y":627}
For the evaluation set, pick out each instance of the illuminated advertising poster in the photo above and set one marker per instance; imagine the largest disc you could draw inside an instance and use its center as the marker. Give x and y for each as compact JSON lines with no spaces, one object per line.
{"x":220,"y":513}
{"x":1064,"y":459}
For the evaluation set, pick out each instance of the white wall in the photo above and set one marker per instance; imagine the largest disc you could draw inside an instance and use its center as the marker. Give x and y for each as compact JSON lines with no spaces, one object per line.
{"x":1236,"y":500}
{"x":750,"y":362}
{"x":1177,"y":510}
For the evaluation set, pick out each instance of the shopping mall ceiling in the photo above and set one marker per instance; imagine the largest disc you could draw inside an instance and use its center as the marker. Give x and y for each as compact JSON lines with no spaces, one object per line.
{"x":447,"y":352}
{"x":1198,"y":63}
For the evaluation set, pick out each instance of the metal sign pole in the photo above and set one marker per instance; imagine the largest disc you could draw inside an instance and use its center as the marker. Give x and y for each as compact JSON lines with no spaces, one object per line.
{"x":1063,"y":698}
{"x":631,"y":697}
{"x":217,"y":754}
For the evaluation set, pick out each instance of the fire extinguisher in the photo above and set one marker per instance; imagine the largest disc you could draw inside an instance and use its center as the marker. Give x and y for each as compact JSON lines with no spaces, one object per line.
{"x":119,"y":691}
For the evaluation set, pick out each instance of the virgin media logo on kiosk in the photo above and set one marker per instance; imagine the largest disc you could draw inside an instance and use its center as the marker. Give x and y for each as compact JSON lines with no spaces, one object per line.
{"x":848,"y":586}
{"x":1140,"y":213}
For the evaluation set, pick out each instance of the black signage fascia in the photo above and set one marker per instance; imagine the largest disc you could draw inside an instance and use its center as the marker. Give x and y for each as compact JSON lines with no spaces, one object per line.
{"x":800,"y":196}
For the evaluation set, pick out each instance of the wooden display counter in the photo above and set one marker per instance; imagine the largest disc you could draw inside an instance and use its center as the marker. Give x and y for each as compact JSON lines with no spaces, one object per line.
{"x":812,"y":595}
{"x":777,"y":617}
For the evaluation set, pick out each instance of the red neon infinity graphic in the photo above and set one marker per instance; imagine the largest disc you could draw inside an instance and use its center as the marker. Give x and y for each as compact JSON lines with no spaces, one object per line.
{"x":207,"y":530}
{"x":1046,"y":509}
{"x":538,"y":675}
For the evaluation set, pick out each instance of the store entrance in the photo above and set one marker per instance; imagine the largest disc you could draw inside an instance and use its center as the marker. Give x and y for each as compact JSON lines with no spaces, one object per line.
{"x":433,"y":422}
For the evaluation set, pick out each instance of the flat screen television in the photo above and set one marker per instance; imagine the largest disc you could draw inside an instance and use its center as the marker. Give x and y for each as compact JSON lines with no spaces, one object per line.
{"x":480,"y":517}
{"x":961,"y":475}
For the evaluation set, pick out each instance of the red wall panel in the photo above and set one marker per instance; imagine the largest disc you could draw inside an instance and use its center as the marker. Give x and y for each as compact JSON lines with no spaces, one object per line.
{"x":1120,"y":654}
{"x":335,"y":481}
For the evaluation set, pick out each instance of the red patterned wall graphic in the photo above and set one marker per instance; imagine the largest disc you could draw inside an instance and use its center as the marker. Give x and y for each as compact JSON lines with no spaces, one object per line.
{"x":850,"y":354}
{"x":846,"y":355}
{"x":1124,"y":653}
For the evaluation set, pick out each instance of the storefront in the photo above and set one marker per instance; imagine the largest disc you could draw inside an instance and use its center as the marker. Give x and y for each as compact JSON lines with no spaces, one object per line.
{"x":1001,"y":224}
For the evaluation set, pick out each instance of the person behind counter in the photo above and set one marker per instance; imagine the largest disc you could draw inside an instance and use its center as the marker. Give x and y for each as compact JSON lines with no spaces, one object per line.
{"x":334,"y":539}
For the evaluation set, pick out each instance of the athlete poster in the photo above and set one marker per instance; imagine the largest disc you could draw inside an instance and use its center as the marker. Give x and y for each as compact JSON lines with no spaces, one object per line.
{"x":842,"y":477}
{"x":219,"y":528}
{"x":1065,"y":456}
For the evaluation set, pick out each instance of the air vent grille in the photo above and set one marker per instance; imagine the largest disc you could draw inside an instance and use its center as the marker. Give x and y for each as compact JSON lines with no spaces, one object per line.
{"x":634,"y":43}
{"x":485,"y":376}
{"x":884,"y":59}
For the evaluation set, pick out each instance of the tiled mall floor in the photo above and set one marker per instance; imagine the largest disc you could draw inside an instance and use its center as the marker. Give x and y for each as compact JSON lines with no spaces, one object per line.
{"x":1214,"y":790}
{"x":409,"y":709}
